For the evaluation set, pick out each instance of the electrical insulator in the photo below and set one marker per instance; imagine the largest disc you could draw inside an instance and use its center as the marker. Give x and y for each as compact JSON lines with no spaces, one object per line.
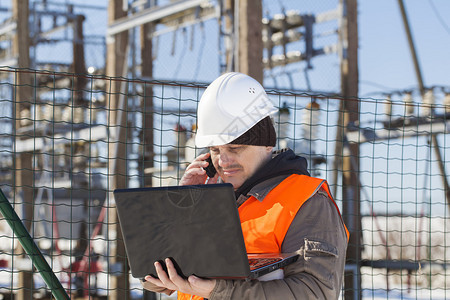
{"x":281,"y":59}
{"x":66,"y":113}
{"x":310,"y":128}
{"x":191,"y":151}
{"x":91,"y":115}
{"x":39,"y":112}
{"x":49,"y":111}
{"x":447,"y":103}
{"x":25,"y":117}
{"x":78,"y":114}
{"x":409,"y":105}
{"x":282,"y":125}
{"x":281,"y":22}
{"x":278,"y":38}
{"x":57,"y":112}
{"x":428,"y":102}
{"x":180,"y":136}
{"x":388,"y":107}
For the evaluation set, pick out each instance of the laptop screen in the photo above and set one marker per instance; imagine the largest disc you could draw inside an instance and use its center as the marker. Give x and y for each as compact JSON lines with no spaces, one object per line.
{"x":197,"y":226}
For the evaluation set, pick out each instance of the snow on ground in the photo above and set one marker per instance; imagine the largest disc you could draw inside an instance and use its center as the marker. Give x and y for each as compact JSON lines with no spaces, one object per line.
{"x":374,"y":287}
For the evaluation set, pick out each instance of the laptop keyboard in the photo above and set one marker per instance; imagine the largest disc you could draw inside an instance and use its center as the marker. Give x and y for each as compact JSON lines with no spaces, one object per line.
{"x":256,"y":263}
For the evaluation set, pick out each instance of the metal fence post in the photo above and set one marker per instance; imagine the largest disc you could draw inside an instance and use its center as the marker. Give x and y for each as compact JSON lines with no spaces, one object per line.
{"x":31,"y":249}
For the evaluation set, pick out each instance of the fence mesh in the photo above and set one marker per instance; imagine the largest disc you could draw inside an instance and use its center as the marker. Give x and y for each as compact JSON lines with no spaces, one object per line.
{"x":67,"y":141}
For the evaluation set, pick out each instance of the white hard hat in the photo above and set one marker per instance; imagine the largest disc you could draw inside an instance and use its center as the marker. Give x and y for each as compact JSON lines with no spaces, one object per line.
{"x":231,"y":105}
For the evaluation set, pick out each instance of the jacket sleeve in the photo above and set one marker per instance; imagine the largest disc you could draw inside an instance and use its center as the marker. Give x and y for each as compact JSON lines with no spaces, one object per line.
{"x":317,"y":233}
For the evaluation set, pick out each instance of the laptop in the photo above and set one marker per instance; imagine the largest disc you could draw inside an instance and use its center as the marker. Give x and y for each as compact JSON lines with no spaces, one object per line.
{"x":196,"y":226}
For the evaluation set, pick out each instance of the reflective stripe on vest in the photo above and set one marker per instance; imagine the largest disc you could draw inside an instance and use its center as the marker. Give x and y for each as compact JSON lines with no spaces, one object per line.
{"x":265,"y":223}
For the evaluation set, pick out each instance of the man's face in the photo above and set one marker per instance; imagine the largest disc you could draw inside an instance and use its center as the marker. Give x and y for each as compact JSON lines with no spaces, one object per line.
{"x":236,"y":163}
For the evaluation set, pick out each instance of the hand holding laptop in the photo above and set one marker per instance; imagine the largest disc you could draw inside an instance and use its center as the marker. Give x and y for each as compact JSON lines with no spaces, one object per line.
{"x":170,"y":281}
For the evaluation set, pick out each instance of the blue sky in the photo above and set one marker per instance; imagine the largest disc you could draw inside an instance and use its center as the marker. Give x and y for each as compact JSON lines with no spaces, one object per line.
{"x":385,"y":59}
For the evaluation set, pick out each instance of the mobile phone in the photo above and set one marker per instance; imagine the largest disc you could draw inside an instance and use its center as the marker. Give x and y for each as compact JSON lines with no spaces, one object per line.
{"x":210,"y":170}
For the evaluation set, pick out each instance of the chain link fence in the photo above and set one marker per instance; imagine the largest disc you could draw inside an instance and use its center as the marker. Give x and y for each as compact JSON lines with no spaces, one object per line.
{"x":67,"y":141}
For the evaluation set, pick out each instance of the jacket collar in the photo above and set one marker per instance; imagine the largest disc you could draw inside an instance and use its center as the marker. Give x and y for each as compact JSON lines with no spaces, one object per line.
{"x":283,"y":164}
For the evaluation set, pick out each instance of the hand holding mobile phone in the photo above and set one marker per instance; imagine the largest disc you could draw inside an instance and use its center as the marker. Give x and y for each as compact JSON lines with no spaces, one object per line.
{"x":210,"y":170}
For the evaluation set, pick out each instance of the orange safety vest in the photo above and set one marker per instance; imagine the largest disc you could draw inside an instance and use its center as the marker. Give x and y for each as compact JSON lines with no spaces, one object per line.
{"x":265,"y":223}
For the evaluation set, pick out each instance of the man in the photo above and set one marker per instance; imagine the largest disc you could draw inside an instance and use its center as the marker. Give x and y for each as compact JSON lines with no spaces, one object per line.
{"x":282,"y":208}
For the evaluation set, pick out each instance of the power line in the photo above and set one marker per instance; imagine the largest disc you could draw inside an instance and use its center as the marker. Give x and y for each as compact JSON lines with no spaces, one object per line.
{"x":440,"y":19}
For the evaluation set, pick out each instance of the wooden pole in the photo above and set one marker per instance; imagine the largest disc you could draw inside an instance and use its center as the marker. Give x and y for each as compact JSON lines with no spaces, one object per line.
{"x":23,"y":97}
{"x":146,"y":137}
{"x":79,"y":63}
{"x":147,"y":105}
{"x":411,"y":46}
{"x":250,"y":45}
{"x":420,"y":82}
{"x":349,"y":114}
{"x":79,"y":83}
{"x":229,"y":31}
{"x":116,"y":65}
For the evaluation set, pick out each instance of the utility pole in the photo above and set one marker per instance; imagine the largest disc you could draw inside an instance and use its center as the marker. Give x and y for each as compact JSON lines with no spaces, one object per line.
{"x":23,"y":97}
{"x":147,"y":104}
{"x":243,"y":23}
{"x":116,"y":66}
{"x":420,"y":82}
{"x":79,"y":64}
{"x":250,"y":45}
{"x":230,"y":35}
{"x":146,"y":136}
{"x":348,"y":115}
{"x":119,"y":23}
{"x":78,"y":67}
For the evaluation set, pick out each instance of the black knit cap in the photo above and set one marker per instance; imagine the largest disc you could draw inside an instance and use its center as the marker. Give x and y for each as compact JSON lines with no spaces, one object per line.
{"x":261,"y":134}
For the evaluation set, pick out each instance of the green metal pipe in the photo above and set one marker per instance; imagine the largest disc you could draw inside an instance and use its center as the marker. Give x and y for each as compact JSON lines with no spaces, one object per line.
{"x":31,"y":248}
